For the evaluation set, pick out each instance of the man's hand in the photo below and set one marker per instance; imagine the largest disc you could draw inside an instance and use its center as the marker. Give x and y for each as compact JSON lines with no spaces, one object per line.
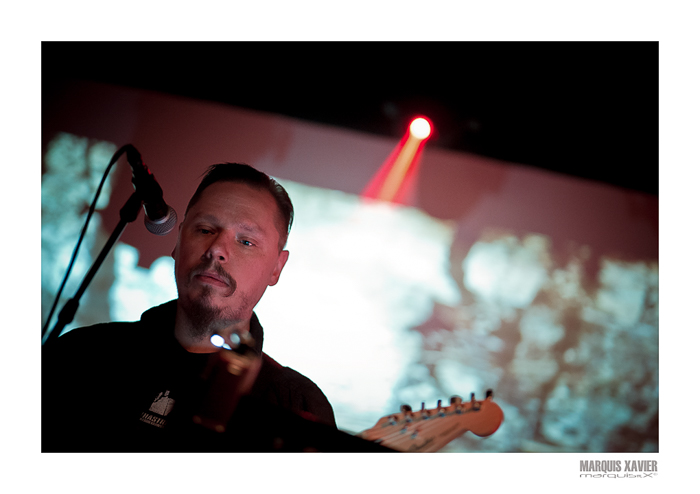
{"x":231,"y":376}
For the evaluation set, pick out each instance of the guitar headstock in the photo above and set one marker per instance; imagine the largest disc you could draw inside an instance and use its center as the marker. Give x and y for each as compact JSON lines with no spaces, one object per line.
{"x":430,"y":430}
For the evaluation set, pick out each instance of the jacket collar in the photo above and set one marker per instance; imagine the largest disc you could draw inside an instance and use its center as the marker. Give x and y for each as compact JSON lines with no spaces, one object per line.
{"x":164,"y":316}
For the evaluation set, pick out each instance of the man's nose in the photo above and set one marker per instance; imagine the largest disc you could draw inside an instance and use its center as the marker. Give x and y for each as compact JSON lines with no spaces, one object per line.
{"x":218,"y":249}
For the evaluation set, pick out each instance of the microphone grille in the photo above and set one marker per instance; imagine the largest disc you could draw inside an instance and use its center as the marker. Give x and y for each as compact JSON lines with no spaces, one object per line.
{"x":164,"y":225}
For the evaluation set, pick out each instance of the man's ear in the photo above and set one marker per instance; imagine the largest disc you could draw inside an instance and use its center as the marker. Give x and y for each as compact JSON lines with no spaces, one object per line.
{"x":281,"y":261}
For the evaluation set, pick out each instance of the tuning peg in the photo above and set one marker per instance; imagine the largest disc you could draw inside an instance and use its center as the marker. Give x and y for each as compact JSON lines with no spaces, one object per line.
{"x":475,"y":404}
{"x":456,"y":400}
{"x":441,"y":409}
{"x":489,"y":393}
{"x":406,"y":410}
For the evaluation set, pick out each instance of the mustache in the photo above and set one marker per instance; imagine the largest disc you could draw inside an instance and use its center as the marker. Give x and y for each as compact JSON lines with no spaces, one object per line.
{"x":209,"y":266}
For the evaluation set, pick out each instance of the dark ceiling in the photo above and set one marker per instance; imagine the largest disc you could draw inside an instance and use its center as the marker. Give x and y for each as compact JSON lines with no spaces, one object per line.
{"x":584,"y":109}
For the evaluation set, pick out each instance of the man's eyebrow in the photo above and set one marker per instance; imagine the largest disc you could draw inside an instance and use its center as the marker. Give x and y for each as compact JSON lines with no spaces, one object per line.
{"x":247,"y":226}
{"x":206,"y":217}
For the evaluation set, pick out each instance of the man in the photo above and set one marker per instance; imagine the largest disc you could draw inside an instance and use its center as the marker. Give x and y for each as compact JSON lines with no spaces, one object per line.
{"x":161,"y":384}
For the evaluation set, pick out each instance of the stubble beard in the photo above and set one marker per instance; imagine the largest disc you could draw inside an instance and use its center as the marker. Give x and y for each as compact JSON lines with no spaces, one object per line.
{"x":204,"y":317}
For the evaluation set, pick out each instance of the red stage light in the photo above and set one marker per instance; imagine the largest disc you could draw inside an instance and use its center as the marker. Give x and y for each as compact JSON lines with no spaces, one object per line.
{"x":420,"y":128}
{"x":394,"y":181}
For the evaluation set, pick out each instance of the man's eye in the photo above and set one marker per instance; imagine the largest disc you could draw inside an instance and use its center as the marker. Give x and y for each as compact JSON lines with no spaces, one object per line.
{"x":204,"y":231}
{"x":246,"y":242}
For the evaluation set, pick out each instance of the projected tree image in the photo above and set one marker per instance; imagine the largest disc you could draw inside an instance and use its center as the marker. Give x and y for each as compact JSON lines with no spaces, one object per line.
{"x":73,"y":168}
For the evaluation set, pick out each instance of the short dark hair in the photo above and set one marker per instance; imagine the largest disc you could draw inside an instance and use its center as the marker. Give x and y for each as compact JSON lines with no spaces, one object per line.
{"x":240,"y":172}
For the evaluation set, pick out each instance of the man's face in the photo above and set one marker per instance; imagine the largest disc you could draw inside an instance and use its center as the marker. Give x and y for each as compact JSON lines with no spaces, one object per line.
{"x":227,"y":254}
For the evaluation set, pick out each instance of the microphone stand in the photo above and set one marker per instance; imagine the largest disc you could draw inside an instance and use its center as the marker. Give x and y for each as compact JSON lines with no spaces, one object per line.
{"x":127,"y":214}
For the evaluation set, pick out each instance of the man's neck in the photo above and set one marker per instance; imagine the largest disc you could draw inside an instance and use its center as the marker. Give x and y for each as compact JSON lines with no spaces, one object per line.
{"x":188,"y":335}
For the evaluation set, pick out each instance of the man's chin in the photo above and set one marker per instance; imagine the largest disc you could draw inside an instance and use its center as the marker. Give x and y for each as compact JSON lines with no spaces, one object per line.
{"x":206,"y":317}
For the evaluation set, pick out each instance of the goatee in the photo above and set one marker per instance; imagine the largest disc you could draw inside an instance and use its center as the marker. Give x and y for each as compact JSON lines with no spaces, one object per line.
{"x":205,"y":319}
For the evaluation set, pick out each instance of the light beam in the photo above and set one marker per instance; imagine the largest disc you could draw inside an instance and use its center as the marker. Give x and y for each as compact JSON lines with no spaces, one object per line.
{"x":394,"y":178}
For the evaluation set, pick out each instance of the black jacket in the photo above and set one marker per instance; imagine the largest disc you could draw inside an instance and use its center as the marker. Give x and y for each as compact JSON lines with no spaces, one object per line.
{"x":131,"y":387}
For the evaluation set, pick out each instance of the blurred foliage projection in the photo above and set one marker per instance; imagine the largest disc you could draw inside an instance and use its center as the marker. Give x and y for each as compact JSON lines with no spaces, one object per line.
{"x":73,"y":168}
{"x":574,"y":363}
{"x":377,"y":308}
{"x":401,"y":319}
{"x":121,"y":290}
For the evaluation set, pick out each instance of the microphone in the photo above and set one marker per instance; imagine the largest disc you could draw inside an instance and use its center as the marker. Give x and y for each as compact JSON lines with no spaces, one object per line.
{"x":160,"y":218}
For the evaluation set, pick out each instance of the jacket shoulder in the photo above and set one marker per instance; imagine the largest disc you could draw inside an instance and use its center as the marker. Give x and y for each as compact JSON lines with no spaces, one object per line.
{"x":97,"y":334}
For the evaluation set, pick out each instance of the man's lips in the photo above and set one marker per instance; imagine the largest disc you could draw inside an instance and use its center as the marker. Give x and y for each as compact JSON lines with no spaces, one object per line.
{"x":211,"y":278}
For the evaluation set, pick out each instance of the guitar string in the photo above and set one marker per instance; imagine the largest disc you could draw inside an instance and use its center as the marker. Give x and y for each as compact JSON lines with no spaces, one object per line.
{"x":420,"y":426}
{"x":400,"y":439}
